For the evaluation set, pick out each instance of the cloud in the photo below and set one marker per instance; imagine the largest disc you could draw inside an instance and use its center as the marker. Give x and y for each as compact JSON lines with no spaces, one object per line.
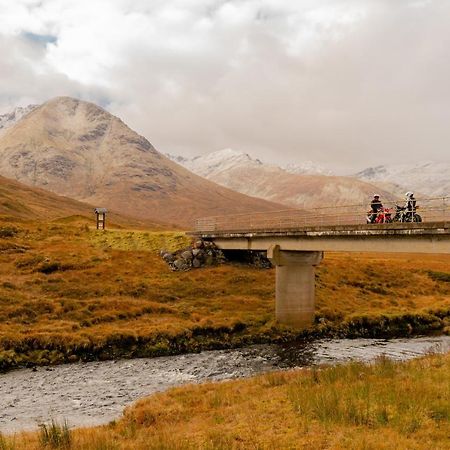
{"x":347,"y":84}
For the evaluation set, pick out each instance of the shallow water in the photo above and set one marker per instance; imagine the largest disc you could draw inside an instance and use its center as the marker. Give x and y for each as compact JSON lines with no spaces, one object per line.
{"x":94,"y":393}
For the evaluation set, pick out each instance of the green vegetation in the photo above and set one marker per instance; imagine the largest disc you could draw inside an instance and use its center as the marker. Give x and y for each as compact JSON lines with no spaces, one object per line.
{"x":439,"y":276}
{"x":68,"y":293}
{"x":385,"y":405}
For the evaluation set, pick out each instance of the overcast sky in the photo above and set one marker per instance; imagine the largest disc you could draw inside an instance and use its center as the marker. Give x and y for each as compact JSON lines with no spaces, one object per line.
{"x":347,"y":84}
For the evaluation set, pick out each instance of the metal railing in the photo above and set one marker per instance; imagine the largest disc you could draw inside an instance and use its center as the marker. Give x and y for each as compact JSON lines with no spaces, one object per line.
{"x":430,"y":210}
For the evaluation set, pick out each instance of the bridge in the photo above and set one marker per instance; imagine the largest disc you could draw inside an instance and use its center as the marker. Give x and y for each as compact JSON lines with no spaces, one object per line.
{"x":295,"y":241}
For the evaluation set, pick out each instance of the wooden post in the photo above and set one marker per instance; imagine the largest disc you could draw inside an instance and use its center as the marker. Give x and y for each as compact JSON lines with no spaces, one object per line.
{"x":101,"y":218}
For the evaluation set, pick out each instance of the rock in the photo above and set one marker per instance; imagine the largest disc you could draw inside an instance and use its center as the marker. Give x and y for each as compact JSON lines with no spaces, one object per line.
{"x":198,"y":244}
{"x":180,"y":264}
{"x":187,"y":255}
{"x":168,"y":257}
{"x":199,"y":255}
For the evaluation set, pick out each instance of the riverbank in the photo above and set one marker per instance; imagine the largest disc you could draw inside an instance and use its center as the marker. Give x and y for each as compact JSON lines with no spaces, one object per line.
{"x":71,"y":294}
{"x":386,"y":405}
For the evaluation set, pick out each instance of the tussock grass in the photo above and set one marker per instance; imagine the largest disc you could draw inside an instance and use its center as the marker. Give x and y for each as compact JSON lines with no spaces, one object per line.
{"x":69,"y":293}
{"x":7,"y":443}
{"x":54,"y":435}
{"x":384,"y":405}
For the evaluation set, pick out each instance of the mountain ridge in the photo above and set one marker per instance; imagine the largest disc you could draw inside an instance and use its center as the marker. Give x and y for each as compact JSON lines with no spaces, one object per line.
{"x":428,"y":177}
{"x":239,"y":171}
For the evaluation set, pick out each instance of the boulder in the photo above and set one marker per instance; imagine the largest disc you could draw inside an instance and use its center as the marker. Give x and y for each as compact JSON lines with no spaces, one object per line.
{"x":198,"y":244}
{"x":180,"y":264}
{"x":187,"y":255}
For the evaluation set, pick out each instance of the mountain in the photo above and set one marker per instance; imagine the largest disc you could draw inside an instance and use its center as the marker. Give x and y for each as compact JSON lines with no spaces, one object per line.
{"x":240,"y":172}
{"x":427,"y":177}
{"x":307,"y":168}
{"x":211,"y":164}
{"x":10,"y":119}
{"x":77,"y":149}
{"x":226,"y":159}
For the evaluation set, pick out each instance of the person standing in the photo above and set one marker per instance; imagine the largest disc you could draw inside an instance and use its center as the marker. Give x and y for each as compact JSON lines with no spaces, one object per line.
{"x":410,"y":206}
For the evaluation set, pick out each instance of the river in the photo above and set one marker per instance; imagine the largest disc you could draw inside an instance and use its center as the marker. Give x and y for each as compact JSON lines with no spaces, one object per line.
{"x":95,"y":393}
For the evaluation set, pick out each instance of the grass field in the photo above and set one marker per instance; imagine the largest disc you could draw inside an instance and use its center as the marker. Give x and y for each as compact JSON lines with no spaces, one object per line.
{"x":353,"y":406}
{"x":68,"y":292}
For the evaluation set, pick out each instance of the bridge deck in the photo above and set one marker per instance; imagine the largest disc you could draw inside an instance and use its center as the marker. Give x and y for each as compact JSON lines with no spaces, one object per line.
{"x":424,"y":228}
{"x":430,"y":237}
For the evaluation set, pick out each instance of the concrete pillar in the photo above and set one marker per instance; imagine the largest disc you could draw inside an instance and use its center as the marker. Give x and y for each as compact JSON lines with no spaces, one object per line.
{"x":295,"y":299}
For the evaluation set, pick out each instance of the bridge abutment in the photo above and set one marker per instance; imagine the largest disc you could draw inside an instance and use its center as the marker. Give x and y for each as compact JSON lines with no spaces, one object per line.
{"x":295,"y":285}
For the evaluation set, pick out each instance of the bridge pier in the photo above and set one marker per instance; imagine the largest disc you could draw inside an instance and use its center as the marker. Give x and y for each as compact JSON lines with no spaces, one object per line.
{"x":295,"y":282}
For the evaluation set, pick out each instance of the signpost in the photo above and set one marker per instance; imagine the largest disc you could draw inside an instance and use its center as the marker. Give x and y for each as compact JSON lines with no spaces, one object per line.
{"x":101,"y":218}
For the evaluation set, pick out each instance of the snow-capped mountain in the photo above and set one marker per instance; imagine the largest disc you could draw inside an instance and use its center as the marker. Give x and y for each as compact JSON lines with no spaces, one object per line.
{"x":307,"y":168}
{"x":243,"y":173}
{"x":211,"y":164}
{"x":223,"y":160}
{"x":427,"y":177}
{"x":10,"y":119}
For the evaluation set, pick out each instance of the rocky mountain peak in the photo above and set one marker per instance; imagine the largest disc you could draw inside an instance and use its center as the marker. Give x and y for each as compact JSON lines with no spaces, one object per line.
{"x":10,"y":119}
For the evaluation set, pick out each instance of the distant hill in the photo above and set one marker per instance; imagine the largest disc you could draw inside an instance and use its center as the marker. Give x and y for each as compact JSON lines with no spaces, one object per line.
{"x":240,"y":172}
{"x":427,"y":177}
{"x":24,"y":202}
{"x":77,"y":149}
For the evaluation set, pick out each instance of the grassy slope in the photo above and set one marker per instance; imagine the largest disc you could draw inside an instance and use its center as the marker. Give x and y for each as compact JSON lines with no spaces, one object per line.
{"x":68,"y":293}
{"x":354,"y":406}
{"x":20,"y":202}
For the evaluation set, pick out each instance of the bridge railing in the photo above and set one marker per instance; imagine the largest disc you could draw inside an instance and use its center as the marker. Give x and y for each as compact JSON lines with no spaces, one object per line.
{"x":431,"y":210}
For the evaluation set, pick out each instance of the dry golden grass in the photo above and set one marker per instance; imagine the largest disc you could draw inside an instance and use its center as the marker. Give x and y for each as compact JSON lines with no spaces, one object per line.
{"x":353,"y":406}
{"x":69,"y":293}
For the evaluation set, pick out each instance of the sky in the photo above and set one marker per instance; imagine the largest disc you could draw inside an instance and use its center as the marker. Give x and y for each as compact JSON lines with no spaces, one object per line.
{"x":346,"y":84}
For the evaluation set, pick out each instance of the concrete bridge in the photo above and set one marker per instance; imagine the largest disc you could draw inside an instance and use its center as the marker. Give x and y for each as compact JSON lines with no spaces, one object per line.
{"x":296,"y":249}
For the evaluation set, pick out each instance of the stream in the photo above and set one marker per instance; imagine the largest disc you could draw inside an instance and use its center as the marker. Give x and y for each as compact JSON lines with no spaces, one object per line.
{"x":94,"y":393}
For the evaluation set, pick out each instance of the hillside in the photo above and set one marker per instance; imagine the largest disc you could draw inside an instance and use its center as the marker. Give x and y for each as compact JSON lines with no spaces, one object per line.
{"x":78,"y":149}
{"x":240,"y":172}
{"x":24,"y":202}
